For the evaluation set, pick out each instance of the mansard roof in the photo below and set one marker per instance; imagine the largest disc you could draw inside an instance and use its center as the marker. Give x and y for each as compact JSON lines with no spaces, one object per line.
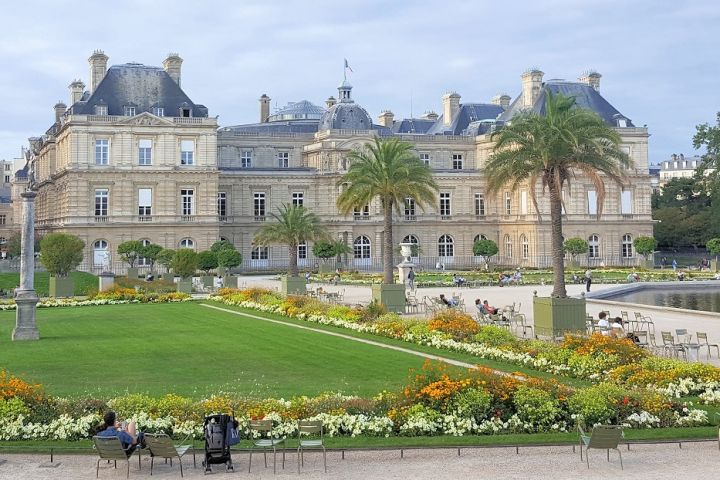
{"x":412,"y":125}
{"x":585,"y":96}
{"x":467,"y":114}
{"x":140,"y":86}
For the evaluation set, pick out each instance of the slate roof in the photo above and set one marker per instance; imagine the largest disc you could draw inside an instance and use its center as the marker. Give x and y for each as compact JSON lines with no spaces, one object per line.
{"x":346,"y":115}
{"x":295,"y":126}
{"x":141,"y":86}
{"x":412,"y":125}
{"x":297,"y":110}
{"x":585,"y":96}
{"x":468,"y":113}
{"x":22,"y":173}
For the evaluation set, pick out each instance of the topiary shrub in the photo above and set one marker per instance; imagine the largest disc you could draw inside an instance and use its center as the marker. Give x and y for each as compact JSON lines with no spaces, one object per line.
{"x":535,"y":406}
{"x":596,"y":404}
{"x":61,"y":253}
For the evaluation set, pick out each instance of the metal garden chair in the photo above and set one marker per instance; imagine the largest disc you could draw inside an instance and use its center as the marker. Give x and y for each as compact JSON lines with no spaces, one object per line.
{"x":110,"y":448}
{"x":265,"y":442}
{"x":604,"y":437}
{"x":703,"y":341}
{"x":315,"y":428}
{"x":161,"y":445}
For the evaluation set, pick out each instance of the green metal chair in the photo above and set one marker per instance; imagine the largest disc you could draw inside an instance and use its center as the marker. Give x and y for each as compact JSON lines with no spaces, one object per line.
{"x":110,"y":448}
{"x":266,"y":441}
{"x":604,"y":437}
{"x":315,"y":428}
{"x":702,"y":339}
{"x":161,"y":445}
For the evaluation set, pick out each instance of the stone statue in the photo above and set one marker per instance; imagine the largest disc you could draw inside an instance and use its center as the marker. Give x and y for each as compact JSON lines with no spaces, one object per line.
{"x":30,"y":162}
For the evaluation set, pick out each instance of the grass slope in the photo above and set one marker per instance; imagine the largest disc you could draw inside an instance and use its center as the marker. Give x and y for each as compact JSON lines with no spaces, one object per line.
{"x":192,"y":350}
{"x":84,"y":282}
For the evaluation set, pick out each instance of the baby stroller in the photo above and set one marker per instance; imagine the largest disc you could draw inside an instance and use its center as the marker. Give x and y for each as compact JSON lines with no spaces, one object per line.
{"x":218,"y":437}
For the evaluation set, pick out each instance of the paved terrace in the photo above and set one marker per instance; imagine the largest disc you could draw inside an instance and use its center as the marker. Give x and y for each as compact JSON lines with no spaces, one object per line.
{"x":699,"y":460}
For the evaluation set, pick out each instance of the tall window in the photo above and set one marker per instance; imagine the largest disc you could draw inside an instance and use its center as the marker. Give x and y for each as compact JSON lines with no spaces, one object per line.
{"x":102,"y":151}
{"x":144,"y":202}
{"x":593,"y":246}
{"x":409,"y":209}
{"x":302,"y":251}
{"x":457,"y":161}
{"x":508,"y":247}
{"x":361,"y":213}
{"x":101,"y":254}
{"x":445,"y":205}
{"x":7,"y":178}
{"x":187,"y":201}
{"x":298,"y":198}
{"x":523,"y":202}
{"x":479,"y":204}
{"x":187,"y":152}
{"x":129,"y":111}
{"x":101,"y":110}
{"x":102,"y":198}
{"x":2,"y":219}
{"x":145,"y":152}
{"x":525,"y":246}
{"x":508,"y":204}
{"x":361,"y":247}
{"x":425,"y":158}
{"x":283,"y":159}
{"x":627,"y":246}
{"x":626,"y":202}
{"x":259,"y":205}
{"x":411,"y":239}
{"x":592,"y":202}
{"x":222,"y":204}
{"x":246,"y":159}
{"x":187,"y":243}
{"x":159,"y":111}
{"x":259,"y":253}
{"x":446,"y":246}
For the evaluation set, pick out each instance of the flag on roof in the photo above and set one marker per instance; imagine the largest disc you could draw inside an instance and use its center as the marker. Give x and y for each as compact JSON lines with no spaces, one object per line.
{"x":347,"y":66}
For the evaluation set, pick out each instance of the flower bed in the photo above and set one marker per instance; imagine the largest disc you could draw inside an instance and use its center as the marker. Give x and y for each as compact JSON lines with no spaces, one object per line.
{"x":116,"y":296}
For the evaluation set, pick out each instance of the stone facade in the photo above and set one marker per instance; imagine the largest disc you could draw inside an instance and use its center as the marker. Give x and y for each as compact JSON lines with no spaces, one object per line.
{"x":93,"y":181}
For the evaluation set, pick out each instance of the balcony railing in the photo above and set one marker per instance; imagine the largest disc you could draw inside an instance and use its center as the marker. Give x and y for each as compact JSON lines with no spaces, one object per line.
{"x":187,"y":218}
{"x":101,"y":218}
{"x":410,"y":218}
{"x":361,"y":218}
{"x":259,"y":218}
{"x":144,"y":218}
{"x":445,"y":217}
{"x":222,"y":218}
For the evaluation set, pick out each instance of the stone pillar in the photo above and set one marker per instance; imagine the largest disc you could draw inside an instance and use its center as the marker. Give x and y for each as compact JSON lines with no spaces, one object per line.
{"x":25,"y":296}
{"x":107,"y":281}
{"x":405,"y":266}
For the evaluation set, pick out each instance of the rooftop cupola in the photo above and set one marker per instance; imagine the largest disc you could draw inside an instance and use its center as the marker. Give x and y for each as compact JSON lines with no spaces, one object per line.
{"x":344,"y":91}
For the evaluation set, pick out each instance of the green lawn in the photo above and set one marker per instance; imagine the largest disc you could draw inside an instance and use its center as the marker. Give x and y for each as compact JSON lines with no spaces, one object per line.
{"x":84,"y":282}
{"x":194,"y":351}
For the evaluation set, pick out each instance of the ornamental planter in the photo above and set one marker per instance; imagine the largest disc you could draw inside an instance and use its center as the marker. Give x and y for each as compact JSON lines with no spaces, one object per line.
{"x":714,"y":265}
{"x":292,"y":285}
{"x":208,"y":280}
{"x":184,"y":285}
{"x":61,"y":287}
{"x":557,"y":316}
{"x":392,"y":296}
{"x":326,"y":267}
{"x":132,"y":273}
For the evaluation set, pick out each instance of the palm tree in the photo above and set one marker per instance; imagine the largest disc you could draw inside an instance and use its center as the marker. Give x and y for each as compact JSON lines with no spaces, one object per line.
{"x":553,"y":148}
{"x":390,"y":171}
{"x":293,"y":225}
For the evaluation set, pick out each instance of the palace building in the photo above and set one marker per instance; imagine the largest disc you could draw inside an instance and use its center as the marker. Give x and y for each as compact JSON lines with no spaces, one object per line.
{"x":133,"y":158}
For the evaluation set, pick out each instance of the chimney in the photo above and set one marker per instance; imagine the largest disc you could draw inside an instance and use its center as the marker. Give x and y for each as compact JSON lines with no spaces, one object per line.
{"x":98,"y":67}
{"x":531,"y":84}
{"x":60,"y":109}
{"x":264,"y":108}
{"x":682,"y":156}
{"x":502,"y":100}
{"x":330,"y":102}
{"x":451,"y":106}
{"x":430,"y":115}
{"x":592,"y":78}
{"x":77,"y":88}
{"x":386,"y":118}
{"x":172,"y":65}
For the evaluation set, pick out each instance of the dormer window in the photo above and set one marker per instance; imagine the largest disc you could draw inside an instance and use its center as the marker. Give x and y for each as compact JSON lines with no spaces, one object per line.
{"x":185,"y":112}
{"x":622,"y":123}
{"x":101,"y":110}
{"x":159,"y":111}
{"x":129,"y":111}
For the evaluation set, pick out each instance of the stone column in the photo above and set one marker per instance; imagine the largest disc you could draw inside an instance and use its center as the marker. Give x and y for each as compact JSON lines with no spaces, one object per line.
{"x":25,"y":296}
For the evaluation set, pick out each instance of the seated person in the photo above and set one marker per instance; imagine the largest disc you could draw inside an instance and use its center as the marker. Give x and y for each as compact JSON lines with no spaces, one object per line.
{"x":633,"y":277}
{"x":128,"y":435}
{"x":481,"y":307}
{"x":458,"y":280}
{"x":617,"y":328}
{"x":575,"y":279}
{"x":517,"y":276}
{"x":504,"y":279}
{"x":450,"y":303}
{"x":488,"y":308}
{"x":604,"y":324}
{"x":681,"y":276}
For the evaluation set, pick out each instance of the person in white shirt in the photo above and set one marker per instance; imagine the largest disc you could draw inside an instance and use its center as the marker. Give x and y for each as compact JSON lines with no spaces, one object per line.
{"x":617,"y":328}
{"x":603,"y":324}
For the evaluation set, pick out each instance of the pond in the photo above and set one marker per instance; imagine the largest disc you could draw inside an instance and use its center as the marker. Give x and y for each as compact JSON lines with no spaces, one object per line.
{"x":701,"y":298}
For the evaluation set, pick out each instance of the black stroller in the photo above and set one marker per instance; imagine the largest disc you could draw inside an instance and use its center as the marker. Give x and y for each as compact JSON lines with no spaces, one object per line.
{"x":217,"y":440}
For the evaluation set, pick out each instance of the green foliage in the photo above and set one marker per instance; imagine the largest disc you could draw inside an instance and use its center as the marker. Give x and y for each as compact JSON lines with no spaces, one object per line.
{"x":207,"y":260}
{"x":713,"y":246}
{"x":687,"y":212}
{"x":596,"y":404}
{"x":61,"y":253}
{"x":575,"y":246}
{"x":645,"y":245}
{"x":374,"y":310}
{"x":130,"y":251}
{"x":221,"y":245}
{"x":151,"y":253}
{"x":184,"y":262}
{"x":536,"y":406}
{"x":495,"y":336}
{"x":10,"y":408}
{"x":227,"y":258}
{"x":165,"y":257}
{"x":485,"y":248}
{"x":473,"y":403}
{"x":14,"y":244}
{"x":323,"y":249}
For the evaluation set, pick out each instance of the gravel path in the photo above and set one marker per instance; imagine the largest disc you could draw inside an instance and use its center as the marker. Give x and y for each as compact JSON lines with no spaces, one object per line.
{"x":656,"y":462}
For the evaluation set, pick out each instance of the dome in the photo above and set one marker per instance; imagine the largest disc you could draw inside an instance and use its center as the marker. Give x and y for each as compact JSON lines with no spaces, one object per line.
{"x":345,"y":115}
{"x":302,"y":110}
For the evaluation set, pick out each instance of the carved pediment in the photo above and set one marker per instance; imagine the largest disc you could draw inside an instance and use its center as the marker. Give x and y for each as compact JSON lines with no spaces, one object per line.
{"x":146,"y":118}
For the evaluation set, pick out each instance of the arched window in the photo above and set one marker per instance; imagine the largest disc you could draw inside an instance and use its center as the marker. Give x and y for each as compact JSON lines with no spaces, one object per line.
{"x":508,"y":246}
{"x":259,"y":253}
{"x":525,"y":246}
{"x":101,"y":254}
{"x":187,"y":243}
{"x":446,"y":246}
{"x":627,"y":246}
{"x":361,"y":247}
{"x":223,"y":239}
{"x":3,"y":240}
{"x":593,"y":246}
{"x":477,"y":239}
{"x":416,"y":245}
{"x":142,"y":261}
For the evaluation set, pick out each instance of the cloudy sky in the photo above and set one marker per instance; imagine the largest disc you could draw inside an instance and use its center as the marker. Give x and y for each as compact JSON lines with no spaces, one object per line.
{"x":658,"y":59}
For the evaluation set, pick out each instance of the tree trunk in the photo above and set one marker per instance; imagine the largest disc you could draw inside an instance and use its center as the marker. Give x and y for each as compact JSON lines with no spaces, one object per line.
{"x":558,"y":254}
{"x":388,"y":248}
{"x":293,"y":262}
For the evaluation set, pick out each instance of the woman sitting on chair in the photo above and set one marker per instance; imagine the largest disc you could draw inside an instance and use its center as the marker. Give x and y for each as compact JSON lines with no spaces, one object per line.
{"x":128,"y":435}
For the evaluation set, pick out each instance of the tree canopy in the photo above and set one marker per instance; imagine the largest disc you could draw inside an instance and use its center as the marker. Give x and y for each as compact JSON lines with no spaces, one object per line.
{"x":130,"y":251}
{"x":184,"y":262}
{"x":645,"y":246}
{"x":61,"y":253}
{"x":575,"y":246}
